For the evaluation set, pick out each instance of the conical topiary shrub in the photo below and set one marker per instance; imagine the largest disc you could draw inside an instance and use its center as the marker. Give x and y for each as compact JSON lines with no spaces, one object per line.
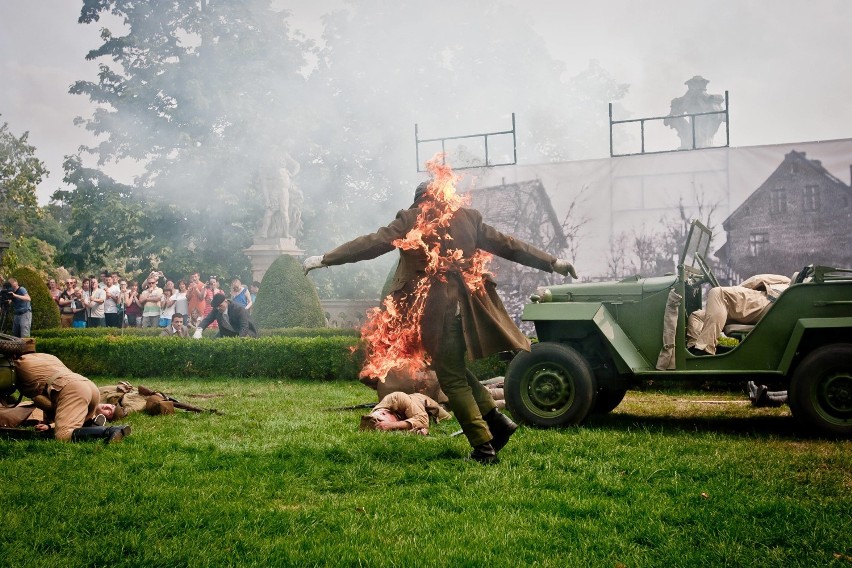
{"x":45,"y":310}
{"x":287,"y":298}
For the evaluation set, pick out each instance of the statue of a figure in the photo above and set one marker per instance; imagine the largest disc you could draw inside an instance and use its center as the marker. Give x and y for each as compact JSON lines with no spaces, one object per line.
{"x":297,"y":199}
{"x":276,"y":183}
{"x":694,"y":101}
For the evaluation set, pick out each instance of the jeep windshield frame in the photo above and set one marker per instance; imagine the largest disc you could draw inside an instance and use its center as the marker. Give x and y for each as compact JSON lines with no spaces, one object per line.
{"x":697,"y":243}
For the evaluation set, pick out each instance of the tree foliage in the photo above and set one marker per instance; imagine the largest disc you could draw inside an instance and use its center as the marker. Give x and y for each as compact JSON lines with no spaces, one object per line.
{"x":200,"y":92}
{"x":20,"y":173}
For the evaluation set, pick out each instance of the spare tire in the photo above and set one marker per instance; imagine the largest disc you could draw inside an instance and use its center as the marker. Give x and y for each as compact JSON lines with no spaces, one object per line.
{"x":11,"y":345}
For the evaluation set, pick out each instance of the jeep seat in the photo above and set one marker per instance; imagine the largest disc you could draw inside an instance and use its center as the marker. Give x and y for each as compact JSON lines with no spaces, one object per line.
{"x":741,"y":329}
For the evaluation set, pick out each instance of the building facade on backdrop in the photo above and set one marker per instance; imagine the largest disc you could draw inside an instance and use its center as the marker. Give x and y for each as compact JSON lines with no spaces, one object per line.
{"x":801,"y":214}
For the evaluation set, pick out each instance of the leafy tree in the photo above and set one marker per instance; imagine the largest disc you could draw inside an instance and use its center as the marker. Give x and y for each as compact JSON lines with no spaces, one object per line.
{"x":20,"y":173}
{"x":106,"y":223}
{"x":201,"y":92}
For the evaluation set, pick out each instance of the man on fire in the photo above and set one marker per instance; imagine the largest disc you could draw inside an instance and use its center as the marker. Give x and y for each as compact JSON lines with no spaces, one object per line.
{"x":443,"y":302}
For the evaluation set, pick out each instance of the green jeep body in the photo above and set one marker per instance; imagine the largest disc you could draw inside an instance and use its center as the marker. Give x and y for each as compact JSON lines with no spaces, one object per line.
{"x":597,"y":339}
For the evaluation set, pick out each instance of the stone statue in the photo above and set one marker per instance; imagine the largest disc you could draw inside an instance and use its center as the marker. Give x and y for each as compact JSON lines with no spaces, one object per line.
{"x":276,"y":184}
{"x":297,"y":199}
{"x":694,"y":101}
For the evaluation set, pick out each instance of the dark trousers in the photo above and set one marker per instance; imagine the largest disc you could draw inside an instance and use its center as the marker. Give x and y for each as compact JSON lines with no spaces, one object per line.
{"x":469,"y":400}
{"x":113,"y":320}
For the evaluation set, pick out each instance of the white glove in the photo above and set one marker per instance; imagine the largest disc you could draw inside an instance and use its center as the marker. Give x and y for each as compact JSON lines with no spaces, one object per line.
{"x":564,"y":268}
{"x":197,"y":334}
{"x":312,"y":262}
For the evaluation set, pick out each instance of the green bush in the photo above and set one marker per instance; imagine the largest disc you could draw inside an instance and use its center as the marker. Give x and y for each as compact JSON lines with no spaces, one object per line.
{"x":155,"y":332}
{"x":287,"y":298}
{"x":45,"y":310}
{"x":318,"y":358}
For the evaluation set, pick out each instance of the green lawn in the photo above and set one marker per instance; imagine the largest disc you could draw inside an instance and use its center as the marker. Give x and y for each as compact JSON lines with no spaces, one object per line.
{"x":665,"y":480}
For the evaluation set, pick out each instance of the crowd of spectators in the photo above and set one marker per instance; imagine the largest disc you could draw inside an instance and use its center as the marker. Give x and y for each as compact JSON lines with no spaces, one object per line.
{"x":113,"y":301}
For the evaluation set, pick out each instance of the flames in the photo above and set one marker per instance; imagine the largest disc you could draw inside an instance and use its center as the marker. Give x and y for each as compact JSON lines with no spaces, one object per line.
{"x":392,"y":332}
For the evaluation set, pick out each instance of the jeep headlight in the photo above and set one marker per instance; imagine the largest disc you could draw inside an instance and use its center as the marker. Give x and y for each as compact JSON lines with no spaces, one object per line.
{"x":541,"y":296}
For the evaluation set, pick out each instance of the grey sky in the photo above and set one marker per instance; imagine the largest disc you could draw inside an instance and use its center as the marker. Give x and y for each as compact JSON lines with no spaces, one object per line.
{"x":785,"y":62}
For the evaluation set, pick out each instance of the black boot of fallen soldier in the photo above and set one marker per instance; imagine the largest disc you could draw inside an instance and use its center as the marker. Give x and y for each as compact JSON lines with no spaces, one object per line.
{"x":484,"y":453}
{"x":108,"y":433}
{"x":501,"y":427}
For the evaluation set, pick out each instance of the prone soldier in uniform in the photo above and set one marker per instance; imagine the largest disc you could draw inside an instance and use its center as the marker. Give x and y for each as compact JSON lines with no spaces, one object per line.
{"x":68,"y":399}
{"x":401,"y":411}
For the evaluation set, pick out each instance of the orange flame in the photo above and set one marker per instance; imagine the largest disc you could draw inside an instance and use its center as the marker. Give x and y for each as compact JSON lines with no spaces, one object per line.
{"x":392,"y":332}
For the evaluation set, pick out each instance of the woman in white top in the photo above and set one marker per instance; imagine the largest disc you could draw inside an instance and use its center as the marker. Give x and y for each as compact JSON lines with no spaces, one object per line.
{"x":181,"y":301}
{"x":167,"y":307}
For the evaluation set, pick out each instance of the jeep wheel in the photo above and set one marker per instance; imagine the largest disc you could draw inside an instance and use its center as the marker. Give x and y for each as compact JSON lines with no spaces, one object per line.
{"x":607,"y":400}
{"x":821,"y":390}
{"x":552,"y":385}
{"x":11,"y":345}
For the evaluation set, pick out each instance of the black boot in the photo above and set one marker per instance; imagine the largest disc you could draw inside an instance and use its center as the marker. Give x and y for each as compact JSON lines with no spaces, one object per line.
{"x":501,"y":427}
{"x":484,"y":453}
{"x":776,"y":398}
{"x":108,"y":433}
{"x":757,"y":394}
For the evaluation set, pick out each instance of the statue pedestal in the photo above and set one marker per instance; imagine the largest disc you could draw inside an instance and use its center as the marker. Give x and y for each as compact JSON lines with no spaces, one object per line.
{"x":264,"y":251}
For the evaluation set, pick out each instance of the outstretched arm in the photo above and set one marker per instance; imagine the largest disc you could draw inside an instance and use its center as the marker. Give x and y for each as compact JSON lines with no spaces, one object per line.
{"x":367,"y":246}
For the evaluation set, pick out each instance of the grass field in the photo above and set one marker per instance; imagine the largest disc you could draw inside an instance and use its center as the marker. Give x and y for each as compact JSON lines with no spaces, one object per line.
{"x":665,"y":480}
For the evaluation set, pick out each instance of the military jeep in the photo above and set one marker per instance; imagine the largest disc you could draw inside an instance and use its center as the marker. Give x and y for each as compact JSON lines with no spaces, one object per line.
{"x":596,"y":340}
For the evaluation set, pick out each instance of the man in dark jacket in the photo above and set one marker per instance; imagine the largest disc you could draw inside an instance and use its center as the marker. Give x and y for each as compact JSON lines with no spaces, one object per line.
{"x":455,"y":317}
{"x":233,"y":319}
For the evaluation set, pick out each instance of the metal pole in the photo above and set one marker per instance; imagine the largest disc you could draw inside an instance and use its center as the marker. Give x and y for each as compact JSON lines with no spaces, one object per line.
{"x":692,"y":121}
{"x":610,"y":130}
{"x":514,"y":141}
{"x":642,"y":131}
{"x":727,"y":122}
{"x":416,"y":147}
{"x":486,"y":151}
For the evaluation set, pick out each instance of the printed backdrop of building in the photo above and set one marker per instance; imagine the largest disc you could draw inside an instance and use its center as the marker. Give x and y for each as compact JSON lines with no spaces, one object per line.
{"x":635,"y":194}
{"x":801,"y":214}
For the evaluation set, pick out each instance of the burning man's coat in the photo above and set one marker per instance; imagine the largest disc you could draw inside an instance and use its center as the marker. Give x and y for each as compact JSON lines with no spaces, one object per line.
{"x":487,"y":327}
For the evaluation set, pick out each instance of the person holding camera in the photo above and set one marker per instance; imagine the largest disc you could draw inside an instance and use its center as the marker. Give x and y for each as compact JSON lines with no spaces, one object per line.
{"x":22,"y":308}
{"x":196,"y":295}
{"x":211,"y":290}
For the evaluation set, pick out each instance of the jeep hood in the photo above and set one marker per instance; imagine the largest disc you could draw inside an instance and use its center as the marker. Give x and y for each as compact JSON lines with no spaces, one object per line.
{"x":632,"y":288}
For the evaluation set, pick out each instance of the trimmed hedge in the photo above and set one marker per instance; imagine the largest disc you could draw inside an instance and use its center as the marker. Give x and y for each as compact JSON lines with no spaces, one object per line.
{"x":319,"y":358}
{"x":155,"y":332}
{"x":287,"y":298}
{"x":316,"y":358}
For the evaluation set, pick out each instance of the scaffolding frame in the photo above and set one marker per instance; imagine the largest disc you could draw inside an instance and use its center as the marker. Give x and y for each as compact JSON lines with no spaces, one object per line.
{"x":690,"y":116}
{"x":443,"y":140}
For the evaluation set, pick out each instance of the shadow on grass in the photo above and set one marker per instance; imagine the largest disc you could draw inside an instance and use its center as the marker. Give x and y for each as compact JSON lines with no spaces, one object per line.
{"x":748,"y":427}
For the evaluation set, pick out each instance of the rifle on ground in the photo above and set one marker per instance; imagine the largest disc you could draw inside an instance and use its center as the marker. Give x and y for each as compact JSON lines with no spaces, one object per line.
{"x":24,"y":434}
{"x":353,"y":407}
{"x":145,"y":391}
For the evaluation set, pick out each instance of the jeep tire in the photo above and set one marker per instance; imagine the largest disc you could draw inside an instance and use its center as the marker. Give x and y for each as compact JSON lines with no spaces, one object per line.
{"x":11,"y":345}
{"x":820,"y":393}
{"x":607,"y":399}
{"x":552,"y":385}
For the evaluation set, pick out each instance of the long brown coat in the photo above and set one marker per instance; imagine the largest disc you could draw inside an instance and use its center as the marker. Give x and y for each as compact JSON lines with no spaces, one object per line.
{"x":487,"y":327}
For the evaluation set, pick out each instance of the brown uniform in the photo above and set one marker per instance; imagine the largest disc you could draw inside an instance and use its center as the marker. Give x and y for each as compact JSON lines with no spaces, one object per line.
{"x":745,"y":304}
{"x":413,"y":408}
{"x":74,"y":397}
{"x":454,"y":320}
